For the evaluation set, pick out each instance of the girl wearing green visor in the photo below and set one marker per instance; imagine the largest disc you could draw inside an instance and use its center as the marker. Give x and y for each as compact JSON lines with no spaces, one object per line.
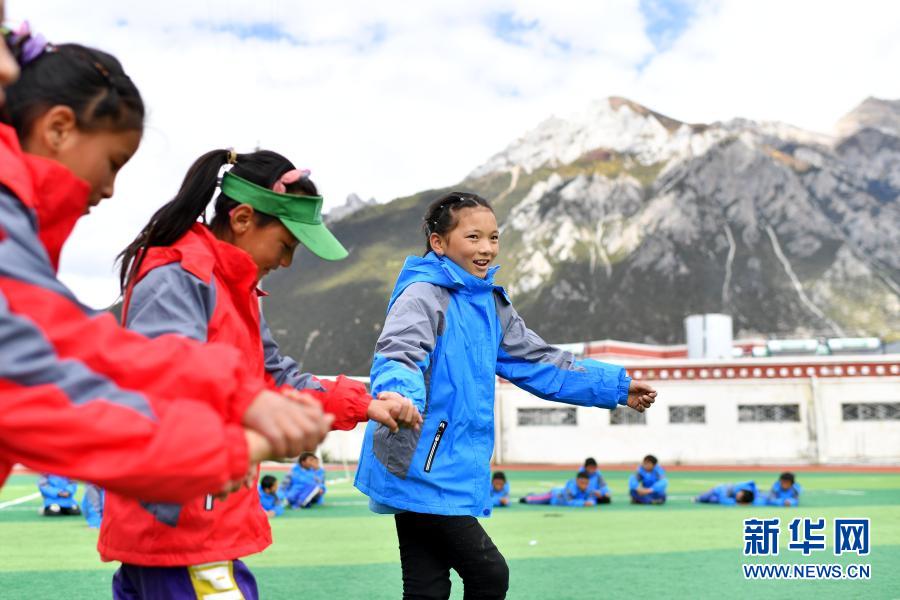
{"x":184,"y":276}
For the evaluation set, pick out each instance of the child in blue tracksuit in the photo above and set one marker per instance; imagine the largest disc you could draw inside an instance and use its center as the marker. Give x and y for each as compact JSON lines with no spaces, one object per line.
{"x":92,"y":505}
{"x":499,"y":489}
{"x":304,"y":486}
{"x":730,"y":494}
{"x":59,"y":495}
{"x":784,"y":492}
{"x":270,"y":498}
{"x":598,"y":487}
{"x":450,"y":330}
{"x":576,"y":492}
{"x":648,"y":484}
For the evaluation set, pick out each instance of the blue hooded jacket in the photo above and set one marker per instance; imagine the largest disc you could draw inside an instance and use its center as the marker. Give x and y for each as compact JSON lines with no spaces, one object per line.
{"x":598,"y":484}
{"x":496,"y":496}
{"x":270,"y":501}
{"x":725,"y":494}
{"x":778,"y":496}
{"x":302,"y":483}
{"x":654,"y":479}
{"x":447,"y":335}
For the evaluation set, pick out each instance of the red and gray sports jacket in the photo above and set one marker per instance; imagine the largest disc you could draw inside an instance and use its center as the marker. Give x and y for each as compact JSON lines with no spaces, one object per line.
{"x":79,"y":395}
{"x":206,"y":289}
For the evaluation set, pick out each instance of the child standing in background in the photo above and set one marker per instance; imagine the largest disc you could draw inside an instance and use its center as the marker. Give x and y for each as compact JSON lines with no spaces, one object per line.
{"x":450,"y":330}
{"x":92,"y":505}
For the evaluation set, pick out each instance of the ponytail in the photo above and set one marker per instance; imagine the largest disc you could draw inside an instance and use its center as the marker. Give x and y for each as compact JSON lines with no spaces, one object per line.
{"x":178,"y":215}
{"x":175,"y":218}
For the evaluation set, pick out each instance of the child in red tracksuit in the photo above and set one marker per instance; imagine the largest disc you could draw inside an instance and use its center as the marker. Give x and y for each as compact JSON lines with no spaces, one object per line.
{"x":166,"y":420}
{"x":181,"y":276}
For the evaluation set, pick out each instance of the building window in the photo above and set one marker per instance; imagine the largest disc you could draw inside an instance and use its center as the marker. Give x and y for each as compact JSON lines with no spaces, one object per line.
{"x":627,"y":416}
{"x":768,"y":413}
{"x":547,"y":416}
{"x":871,"y":411}
{"x":687,"y":414}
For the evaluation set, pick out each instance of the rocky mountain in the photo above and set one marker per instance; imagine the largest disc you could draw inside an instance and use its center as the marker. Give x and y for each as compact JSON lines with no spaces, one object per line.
{"x":353,"y":204}
{"x":618,"y":222}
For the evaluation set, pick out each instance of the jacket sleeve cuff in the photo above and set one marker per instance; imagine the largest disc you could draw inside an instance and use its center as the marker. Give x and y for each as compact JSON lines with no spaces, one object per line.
{"x":243,"y":398}
{"x":238,"y":453}
{"x":622,"y":391}
{"x":346,"y":399}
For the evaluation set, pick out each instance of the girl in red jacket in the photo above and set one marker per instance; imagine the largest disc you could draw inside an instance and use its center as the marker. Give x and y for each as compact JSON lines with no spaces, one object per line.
{"x":186,"y":277}
{"x":164,"y":420}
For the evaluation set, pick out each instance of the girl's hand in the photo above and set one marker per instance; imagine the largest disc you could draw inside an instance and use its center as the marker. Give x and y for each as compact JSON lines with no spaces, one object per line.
{"x":290,"y":425}
{"x":395,"y":411}
{"x":640,"y":395}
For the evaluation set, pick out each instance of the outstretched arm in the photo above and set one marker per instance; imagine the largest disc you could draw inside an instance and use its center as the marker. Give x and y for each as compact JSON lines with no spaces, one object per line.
{"x":553,"y":374}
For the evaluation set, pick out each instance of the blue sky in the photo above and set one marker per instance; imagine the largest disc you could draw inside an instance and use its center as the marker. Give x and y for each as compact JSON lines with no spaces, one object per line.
{"x":392,"y":97}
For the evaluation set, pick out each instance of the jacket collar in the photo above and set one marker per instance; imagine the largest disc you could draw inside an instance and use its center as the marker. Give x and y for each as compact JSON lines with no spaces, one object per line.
{"x":56,"y":196}
{"x":200,"y":253}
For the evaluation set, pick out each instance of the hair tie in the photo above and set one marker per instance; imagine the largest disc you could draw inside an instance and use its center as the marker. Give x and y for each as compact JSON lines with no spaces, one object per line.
{"x":232,"y":156}
{"x":292,"y":176}
{"x":31,"y":45}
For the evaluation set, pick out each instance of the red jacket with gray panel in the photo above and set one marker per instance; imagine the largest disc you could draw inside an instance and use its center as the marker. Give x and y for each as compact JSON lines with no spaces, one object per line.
{"x":206,"y":289}
{"x":79,"y":395}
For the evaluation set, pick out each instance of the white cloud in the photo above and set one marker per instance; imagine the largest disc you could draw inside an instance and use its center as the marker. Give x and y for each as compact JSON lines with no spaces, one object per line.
{"x":388,"y":98}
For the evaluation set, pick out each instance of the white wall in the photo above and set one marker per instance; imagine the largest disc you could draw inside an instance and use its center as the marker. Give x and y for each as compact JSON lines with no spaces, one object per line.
{"x":820,"y":436}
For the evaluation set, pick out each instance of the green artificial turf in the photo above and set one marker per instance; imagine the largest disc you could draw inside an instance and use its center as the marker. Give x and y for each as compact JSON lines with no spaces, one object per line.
{"x":341,"y":550}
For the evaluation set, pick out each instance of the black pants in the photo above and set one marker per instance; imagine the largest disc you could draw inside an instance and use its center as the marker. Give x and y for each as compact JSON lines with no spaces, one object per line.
{"x":431,"y":545}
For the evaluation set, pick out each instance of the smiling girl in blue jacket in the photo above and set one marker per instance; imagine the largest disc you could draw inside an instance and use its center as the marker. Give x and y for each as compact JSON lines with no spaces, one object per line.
{"x":449,"y":332}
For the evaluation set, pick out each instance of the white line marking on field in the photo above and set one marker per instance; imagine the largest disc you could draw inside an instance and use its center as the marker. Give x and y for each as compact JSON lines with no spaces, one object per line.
{"x":702,"y":481}
{"x":21,"y":500}
{"x":337,"y":480}
{"x":845,"y":492}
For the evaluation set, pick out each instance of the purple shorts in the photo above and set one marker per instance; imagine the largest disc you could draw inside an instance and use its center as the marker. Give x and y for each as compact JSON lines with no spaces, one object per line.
{"x":225,"y":580}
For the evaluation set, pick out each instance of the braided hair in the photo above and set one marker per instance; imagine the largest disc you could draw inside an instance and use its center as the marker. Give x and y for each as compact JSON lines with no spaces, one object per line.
{"x":89,"y":81}
{"x":440,"y":218}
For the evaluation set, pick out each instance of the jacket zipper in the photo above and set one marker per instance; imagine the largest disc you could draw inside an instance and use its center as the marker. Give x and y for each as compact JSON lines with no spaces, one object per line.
{"x":434,"y":445}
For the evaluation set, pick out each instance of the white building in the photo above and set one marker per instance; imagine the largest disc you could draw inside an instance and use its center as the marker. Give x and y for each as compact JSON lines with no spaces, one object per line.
{"x":786,"y":410}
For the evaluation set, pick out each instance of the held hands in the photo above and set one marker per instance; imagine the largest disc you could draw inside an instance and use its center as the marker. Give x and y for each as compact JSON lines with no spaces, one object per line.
{"x":640,"y":395}
{"x":291,"y":423}
{"x":394,"y":411}
{"x":258,"y":450}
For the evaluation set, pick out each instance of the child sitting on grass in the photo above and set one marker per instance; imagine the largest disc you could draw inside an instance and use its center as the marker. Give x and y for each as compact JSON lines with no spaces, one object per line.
{"x":784,"y":492}
{"x":59,"y":495}
{"x":648,"y":484}
{"x":499,"y":489}
{"x":303,"y":486}
{"x":270,"y":498}
{"x":576,"y":492}
{"x":598,"y":487}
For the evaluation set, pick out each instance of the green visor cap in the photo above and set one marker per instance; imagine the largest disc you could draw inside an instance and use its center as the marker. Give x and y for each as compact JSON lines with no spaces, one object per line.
{"x":302,"y":215}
